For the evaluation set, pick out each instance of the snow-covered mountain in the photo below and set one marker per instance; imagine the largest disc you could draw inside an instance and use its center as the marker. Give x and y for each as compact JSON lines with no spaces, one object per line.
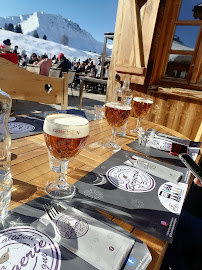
{"x":41,"y":46}
{"x":54,"y":26}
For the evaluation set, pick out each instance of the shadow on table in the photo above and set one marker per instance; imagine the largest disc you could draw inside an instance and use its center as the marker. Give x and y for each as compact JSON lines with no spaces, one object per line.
{"x":22,"y":190}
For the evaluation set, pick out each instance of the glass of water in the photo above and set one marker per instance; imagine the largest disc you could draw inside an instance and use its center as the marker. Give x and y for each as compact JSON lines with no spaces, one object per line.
{"x":99,"y":112}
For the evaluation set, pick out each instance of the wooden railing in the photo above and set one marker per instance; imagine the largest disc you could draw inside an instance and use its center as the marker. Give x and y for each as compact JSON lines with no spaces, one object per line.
{"x":24,"y":85}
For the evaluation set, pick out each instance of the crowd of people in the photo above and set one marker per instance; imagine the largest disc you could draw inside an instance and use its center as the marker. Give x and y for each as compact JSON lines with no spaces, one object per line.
{"x":89,"y":66}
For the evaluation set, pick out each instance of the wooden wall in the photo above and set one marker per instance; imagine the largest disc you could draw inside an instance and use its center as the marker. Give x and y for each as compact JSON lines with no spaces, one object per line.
{"x":181,"y":114}
{"x":179,"y":111}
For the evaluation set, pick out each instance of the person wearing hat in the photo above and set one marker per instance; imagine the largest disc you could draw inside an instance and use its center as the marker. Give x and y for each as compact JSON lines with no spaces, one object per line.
{"x":63,"y":63}
{"x":6,"y":53}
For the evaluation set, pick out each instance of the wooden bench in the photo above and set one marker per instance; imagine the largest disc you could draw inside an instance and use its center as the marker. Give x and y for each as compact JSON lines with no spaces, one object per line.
{"x":54,"y":72}
{"x":24,"y":85}
{"x":33,"y":68}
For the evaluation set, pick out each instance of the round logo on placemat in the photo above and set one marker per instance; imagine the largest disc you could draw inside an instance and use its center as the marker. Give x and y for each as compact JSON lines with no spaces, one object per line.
{"x":71,"y":228}
{"x":20,"y":127}
{"x":130,"y":179}
{"x":27,"y":249}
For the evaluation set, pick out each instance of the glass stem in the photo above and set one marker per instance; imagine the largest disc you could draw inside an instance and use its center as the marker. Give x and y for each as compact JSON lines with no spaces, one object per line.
{"x":138,"y":123}
{"x":113,"y":137}
{"x":62,"y":182}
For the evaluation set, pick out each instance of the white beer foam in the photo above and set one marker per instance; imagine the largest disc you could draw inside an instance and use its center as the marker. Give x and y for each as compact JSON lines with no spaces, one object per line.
{"x":66,"y":126}
{"x":118,"y":106}
{"x":144,"y":100}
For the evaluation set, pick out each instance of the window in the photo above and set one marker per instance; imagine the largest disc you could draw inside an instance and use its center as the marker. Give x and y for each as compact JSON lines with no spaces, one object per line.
{"x":179,"y":58}
{"x":185,"y":46}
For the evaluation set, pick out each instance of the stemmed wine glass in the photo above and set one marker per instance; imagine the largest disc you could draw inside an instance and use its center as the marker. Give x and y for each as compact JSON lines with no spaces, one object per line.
{"x":65,"y":136}
{"x":141,"y":106}
{"x":116,"y":114}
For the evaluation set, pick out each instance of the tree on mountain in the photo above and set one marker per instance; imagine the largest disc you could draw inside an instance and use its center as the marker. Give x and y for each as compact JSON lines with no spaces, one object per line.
{"x":44,"y":37}
{"x":35,"y":34}
{"x":10,"y":27}
{"x":65,"y":40}
{"x":6,"y":26}
{"x":18,"y":28}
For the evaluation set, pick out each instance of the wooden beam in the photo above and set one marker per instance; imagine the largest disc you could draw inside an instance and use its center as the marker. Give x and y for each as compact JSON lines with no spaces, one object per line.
{"x":131,"y":70}
{"x":196,"y":69}
{"x":171,"y":11}
{"x":198,"y":137}
{"x":181,"y":52}
{"x":189,"y":22}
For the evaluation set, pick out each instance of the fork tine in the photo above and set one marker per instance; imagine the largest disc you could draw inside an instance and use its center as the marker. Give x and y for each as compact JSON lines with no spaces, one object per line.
{"x":51,"y":210}
{"x":47,"y":211}
{"x":55,"y":208}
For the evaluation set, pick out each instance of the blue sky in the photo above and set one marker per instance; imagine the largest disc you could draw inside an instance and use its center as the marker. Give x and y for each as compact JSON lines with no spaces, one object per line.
{"x":95,"y":16}
{"x":185,"y":32}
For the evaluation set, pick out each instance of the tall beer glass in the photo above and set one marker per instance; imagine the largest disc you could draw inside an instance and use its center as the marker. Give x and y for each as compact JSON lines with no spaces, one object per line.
{"x":116,"y":114}
{"x":141,"y":106}
{"x":65,"y":136}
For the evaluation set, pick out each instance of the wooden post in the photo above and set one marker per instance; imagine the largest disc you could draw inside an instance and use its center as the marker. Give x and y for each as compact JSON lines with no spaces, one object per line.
{"x":81,"y":94}
{"x":64,"y":105}
{"x":103,"y":56}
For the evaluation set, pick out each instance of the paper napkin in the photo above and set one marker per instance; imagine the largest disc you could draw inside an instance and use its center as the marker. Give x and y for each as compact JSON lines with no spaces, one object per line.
{"x":93,"y":241}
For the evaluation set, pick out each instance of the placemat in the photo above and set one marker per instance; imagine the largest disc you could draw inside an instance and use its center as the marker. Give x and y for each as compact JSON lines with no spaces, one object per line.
{"x":164,"y":154}
{"x":26,"y":214}
{"x":143,"y":200}
{"x":23,"y":126}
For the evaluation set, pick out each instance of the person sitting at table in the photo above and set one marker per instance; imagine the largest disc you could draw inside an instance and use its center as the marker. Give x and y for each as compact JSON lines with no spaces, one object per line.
{"x":98,"y":68}
{"x":45,"y":65}
{"x":63,"y":63}
{"x":90,"y":68}
{"x":6,"y":53}
{"x":15,"y":49}
{"x":106,"y":69}
{"x":33,"y":59}
{"x":23,"y":59}
{"x":80,"y":69}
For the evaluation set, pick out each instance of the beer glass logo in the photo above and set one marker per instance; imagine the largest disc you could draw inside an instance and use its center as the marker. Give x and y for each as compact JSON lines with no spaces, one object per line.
{"x":71,"y":227}
{"x":130,"y":179}
{"x":66,"y":132}
{"x":26,"y":248}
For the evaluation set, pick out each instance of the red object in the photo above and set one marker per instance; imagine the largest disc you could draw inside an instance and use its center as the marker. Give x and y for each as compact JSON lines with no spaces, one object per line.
{"x":177,"y":149}
{"x":60,"y":55}
{"x":10,"y":56}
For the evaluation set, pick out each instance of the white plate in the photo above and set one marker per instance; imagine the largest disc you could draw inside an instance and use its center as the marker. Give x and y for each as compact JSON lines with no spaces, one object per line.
{"x":28,"y":249}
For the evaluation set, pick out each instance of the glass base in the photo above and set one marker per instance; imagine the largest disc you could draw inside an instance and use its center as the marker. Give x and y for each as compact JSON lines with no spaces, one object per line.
{"x":112,"y":146}
{"x":135,"y":130}
{"x":57,"y":192}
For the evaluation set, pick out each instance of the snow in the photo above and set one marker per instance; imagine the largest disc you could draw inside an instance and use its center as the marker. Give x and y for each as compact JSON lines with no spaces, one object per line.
{"x":54,"y":26}
{"x":180,"y":58}
{"x":41,"y":46}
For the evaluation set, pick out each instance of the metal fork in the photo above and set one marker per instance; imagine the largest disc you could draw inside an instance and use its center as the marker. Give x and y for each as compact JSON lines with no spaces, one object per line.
{"x":51,"y":211}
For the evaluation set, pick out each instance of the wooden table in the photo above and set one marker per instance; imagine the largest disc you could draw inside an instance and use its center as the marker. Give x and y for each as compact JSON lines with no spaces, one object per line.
{"x":31,"y":172}
{"x":90,"y":80}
